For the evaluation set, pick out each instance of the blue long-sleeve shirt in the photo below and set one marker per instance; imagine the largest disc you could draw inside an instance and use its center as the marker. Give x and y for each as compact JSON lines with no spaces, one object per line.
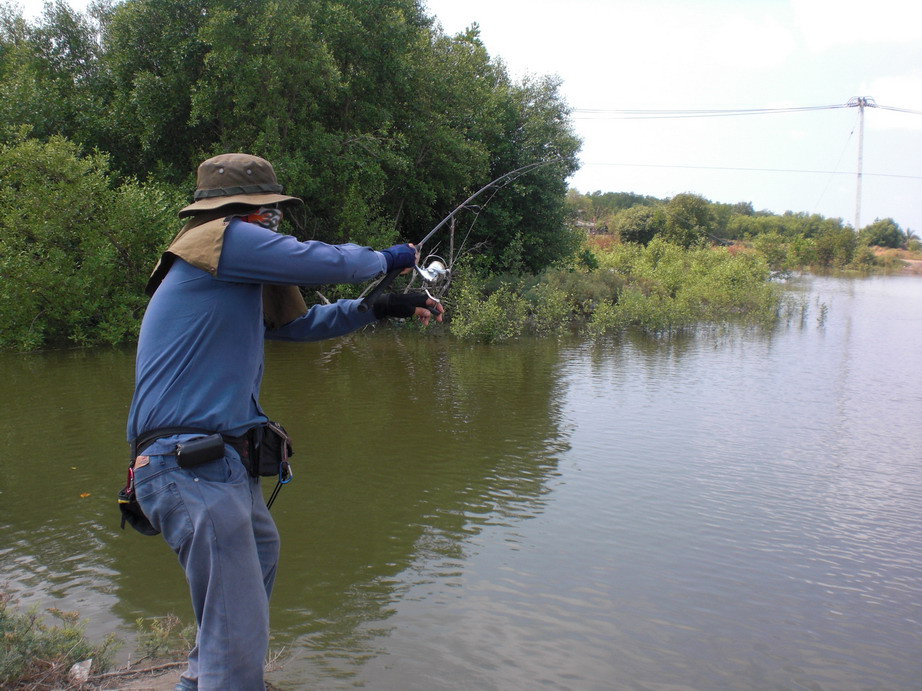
{"x":200,"y":350}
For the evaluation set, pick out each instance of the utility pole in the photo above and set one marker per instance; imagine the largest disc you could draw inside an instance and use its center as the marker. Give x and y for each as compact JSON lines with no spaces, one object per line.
{"x":861,"y":102}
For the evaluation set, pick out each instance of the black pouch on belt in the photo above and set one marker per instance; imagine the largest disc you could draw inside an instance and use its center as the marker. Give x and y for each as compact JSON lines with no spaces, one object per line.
{"x":131,"y":510}
{"x":270,"y":447}
{"x":199,"y":451}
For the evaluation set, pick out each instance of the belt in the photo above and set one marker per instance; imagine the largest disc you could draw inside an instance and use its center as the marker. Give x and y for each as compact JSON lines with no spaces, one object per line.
{"x":241,"y":444}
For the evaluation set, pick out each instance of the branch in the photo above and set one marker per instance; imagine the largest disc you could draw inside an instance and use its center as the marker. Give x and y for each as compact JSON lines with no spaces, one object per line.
{"x":130,"y":672}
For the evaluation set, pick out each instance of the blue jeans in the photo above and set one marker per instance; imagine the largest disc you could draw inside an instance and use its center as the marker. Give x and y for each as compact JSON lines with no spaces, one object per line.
{"x":215,"y":519}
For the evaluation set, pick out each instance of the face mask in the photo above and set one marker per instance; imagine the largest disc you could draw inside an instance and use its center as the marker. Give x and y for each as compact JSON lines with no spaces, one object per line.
{"x":266,"y":217}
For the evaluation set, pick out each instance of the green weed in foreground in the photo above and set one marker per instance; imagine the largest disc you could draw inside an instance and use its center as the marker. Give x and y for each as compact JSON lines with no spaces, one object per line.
{"x":34,"y":654}
{"x":658,"y":288}
{"x":164,"y":637}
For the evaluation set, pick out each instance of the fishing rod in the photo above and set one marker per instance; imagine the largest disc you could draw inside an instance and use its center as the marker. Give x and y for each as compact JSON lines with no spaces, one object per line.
{"x":498,"y":183}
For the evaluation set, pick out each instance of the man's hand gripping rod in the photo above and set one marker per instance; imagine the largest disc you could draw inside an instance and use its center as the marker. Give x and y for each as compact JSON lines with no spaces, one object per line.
{"x":385,"y":282}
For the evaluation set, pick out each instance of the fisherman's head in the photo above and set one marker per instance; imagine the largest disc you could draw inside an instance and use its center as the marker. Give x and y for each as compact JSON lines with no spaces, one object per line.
{"x":239,"y":181}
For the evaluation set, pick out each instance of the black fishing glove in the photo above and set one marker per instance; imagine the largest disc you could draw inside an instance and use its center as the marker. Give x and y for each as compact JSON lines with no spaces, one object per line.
{"x":402,"y":305}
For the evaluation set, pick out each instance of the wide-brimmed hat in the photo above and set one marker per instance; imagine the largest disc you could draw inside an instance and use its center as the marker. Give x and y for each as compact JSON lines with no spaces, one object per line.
{"x":236,"y":179}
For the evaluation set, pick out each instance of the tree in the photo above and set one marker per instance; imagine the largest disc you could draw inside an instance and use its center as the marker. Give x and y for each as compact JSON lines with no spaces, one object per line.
{"x":378,"y":120}
{"x":689,"y":220}
{"x":27,"y":95}
{"x":75,"y":251}
{"x":533,"y":126}
{"x":153,"y":56}
{"x":882,"y":233}
{"x":835,"y":246}
{"x":640,"y":223}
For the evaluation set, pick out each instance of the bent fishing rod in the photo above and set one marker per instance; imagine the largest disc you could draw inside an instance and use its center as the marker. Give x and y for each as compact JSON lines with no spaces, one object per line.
{"x":498,"y":183}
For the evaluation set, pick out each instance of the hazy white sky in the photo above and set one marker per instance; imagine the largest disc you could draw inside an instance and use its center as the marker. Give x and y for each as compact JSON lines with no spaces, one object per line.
{"x":725,"y":54}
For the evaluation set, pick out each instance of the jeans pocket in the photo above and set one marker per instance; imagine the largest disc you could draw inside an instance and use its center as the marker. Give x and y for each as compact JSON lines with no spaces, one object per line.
{"x":226,"y":470}
{"x":218,"y":470}
{"x":166,"y":511}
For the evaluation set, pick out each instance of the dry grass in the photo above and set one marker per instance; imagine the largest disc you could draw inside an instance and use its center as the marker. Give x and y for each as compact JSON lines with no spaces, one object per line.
{"x":912,"y":260}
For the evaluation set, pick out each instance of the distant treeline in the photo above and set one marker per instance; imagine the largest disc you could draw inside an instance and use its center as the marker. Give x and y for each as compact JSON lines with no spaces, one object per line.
{"x":789,"y":240}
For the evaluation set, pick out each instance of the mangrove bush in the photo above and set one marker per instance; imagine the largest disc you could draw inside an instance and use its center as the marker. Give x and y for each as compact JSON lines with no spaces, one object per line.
{"x":75,"y":248}
{"x":657,"y":288}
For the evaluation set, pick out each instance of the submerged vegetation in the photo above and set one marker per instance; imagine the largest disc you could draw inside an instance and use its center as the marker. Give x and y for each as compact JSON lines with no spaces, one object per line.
{"x":662,"y":266}
{"x":659,"y":287}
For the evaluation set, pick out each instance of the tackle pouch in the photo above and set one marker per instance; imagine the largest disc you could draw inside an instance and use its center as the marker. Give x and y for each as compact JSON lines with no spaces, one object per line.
{"x":199,"y":451}
{"x":131,"y":510}
{"x":270,"y":449}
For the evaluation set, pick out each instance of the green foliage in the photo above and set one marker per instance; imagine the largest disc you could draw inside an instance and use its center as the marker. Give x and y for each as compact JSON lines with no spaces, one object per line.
{"x":598,"y":207}
{"x":48,"y":71}
{"x":550,"y":309}
{"x":689,"y":219}
{"x":669,"y":288}
{"x":775,"y":249}
{"x":640,"y":223}
{"x":787,"y":241}
{"x":369,"y":112}
{"x":164,"y":637}
{"x":882,"y":233}
{"x":864,"y":258}
{"x":373,"y":115}
{"x":802,"y":252}
{"x":31,"y":648}
{"x":495,"y":317}
{"x":74,"y":251}
{"x":658,"y":288}
{"x":532,"y":125}
{"x":836,"y":248}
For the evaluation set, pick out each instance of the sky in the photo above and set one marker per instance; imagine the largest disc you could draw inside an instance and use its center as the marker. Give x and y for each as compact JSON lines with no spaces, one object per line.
{"x":679,"y":55}
{"x":618,"y":55}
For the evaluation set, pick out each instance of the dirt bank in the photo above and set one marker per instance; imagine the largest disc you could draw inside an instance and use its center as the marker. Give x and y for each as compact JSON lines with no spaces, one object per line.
{"x":912,"y":261}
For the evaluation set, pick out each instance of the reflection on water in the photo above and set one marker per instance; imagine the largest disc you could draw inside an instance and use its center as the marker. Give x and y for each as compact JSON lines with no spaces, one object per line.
{"x":732,"y":509}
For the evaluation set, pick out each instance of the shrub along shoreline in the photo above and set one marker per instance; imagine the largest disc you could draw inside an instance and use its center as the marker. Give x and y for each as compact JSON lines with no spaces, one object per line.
{"x":75,"y":256}
{"x":657,"y":288}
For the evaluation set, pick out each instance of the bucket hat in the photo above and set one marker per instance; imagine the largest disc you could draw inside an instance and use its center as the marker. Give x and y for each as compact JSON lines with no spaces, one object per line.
{"x":236,"y":179}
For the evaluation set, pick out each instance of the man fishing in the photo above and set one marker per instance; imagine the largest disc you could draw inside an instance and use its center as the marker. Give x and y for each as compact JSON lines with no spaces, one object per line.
{"x":200,"y":439}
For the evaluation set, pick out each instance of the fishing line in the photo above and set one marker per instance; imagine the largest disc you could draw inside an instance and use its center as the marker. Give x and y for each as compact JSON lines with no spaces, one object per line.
{"x":838,"y":163}
{"x":371,"y":292}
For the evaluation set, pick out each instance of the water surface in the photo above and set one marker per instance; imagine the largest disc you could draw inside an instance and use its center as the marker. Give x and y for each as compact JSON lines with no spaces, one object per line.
{"x":729,"y":509}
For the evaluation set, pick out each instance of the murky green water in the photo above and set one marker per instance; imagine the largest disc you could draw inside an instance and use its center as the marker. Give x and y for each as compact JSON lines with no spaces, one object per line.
{"x":730,"y":510}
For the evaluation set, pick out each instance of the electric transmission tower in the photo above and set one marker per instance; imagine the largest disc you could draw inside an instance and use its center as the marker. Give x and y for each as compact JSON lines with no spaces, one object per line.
{"x":860,"y":102}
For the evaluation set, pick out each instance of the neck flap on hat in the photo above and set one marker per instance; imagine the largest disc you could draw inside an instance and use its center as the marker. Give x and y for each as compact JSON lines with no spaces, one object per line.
{"x":200,"y":243}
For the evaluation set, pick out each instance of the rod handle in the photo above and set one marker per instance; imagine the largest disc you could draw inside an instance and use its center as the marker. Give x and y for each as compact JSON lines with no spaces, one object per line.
{"x":369,"y":299}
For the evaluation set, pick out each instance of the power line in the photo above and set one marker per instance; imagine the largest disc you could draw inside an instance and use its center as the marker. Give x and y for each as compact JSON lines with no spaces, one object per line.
{"x":900,"y":110}
{"x":664,"y":114}
{"x":645,"y":114}
{"x":757,"y":170}
{"x":671,"y":114}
